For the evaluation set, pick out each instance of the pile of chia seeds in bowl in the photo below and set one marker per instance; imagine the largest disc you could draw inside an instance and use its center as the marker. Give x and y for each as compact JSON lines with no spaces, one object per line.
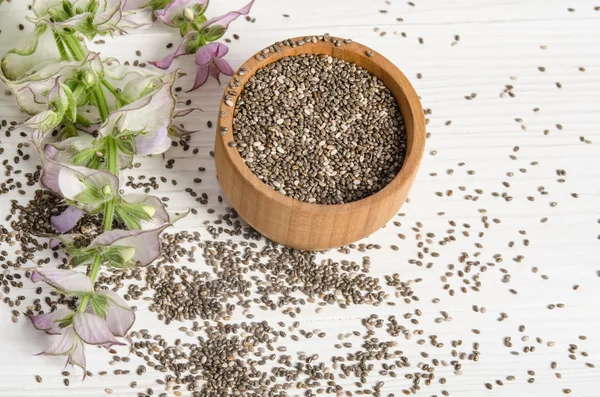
{"x":319,"y":129}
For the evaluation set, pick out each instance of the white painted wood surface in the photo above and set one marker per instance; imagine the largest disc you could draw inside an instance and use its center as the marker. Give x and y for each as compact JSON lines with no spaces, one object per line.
{"x":498,"y":39}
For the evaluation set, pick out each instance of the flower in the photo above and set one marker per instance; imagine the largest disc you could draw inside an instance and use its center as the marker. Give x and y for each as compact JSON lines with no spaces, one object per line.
{"x":105,"y":317}
{"x":70,"y":345}
{"x":50,"y":322}
{"x":89,"y":18}
{"x":218,"y":25}
{"x":141,"y":211}
{"x":61,"y":108}
{"x":75,"y":329}
{"x":196,"y":38}
{"x":84,"y":188}
{"x":119,"y":316}
{"x":119,"y":248}
{"x":180,"y":14}
{"x":209,"y":60}
{"x":140,"y":127}
{"x":144,"y":243}
{"x":53,"y":92}
{"x":94,"y":330}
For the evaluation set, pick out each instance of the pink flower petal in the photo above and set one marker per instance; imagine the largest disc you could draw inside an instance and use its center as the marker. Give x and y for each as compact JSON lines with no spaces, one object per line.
{"x":67,"y":281}
{"x":49,"y":322}
{"x":146,"y":243}
{"x":77,"y":356}
{"x":63,"y":344}
{"x":119,"y":316}
{"x":150,"y":142}
{"x":208,"y":52}
{"x":66,"y":220}
{"x":223,"y":66}
{"x":93,"y":330}
{"x":201,"y":77}
{"x":225,"y":20}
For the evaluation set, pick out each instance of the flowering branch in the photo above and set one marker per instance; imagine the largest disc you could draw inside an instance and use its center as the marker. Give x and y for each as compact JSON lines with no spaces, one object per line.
{"x":199,"y":36}
{"x":64,"y":87}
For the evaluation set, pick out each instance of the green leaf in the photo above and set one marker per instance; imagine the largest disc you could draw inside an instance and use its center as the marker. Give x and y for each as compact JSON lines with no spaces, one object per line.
{"x":69,"y":131}
{"x":59,"y":15}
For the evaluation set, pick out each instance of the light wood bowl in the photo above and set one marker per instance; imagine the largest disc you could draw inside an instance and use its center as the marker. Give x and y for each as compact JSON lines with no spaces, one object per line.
{"x":302,"y":225}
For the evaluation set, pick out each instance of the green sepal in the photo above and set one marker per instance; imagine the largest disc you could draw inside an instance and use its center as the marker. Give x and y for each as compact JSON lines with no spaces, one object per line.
{"x":66,"y":321}
{"x":92,"y":195}
{"x":213,"y":33}
{"x":92,"y":6}
{"x":84,"y":157}
{"x":158,"y":4}
{"x":126,"y":145}
{"x":80,"y":256}
{"x":99,"y":304}
{"x":114,"y":256}
{"x":132,"y":215}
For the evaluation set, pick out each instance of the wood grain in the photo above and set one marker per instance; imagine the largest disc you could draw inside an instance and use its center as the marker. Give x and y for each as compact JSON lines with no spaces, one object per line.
{"x":309,"y":226}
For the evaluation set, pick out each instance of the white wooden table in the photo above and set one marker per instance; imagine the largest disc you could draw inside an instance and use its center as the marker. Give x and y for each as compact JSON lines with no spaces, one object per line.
{"x":502,"y":42}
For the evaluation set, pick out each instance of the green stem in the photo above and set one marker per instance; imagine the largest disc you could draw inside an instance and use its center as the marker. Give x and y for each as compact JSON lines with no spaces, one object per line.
{"x":83,"y":304}
{"x":61,"y":46}
{"x":74,"y":45}
{"x":79,"y":53}
{"x":112,"y":155}
{"x":80,"y":89}
{"x":100,"y":100}
{"x":93,"y":274}
{"x":112,"y":164}
{"x":109,"y":214}
{"x":95,"y":268}
{"x":113,"y":91}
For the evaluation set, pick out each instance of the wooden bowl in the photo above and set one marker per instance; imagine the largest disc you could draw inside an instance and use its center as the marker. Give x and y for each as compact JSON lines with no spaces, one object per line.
{"x":302,"y":225}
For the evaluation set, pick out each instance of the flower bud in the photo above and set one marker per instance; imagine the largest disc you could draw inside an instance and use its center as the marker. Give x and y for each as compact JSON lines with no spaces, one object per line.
{"x":107,"y":190}
{"x":150,"y":210}
{"x":89,"y":79}
{"x":188,"y":14}
{"x":127,"y":253}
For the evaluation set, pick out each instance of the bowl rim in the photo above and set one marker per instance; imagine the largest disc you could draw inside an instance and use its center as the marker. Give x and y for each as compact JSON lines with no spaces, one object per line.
{"x":415,"y":142}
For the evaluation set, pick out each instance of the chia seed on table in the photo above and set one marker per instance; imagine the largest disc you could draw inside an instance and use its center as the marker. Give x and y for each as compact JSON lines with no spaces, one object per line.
{"x":319,"y":129}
